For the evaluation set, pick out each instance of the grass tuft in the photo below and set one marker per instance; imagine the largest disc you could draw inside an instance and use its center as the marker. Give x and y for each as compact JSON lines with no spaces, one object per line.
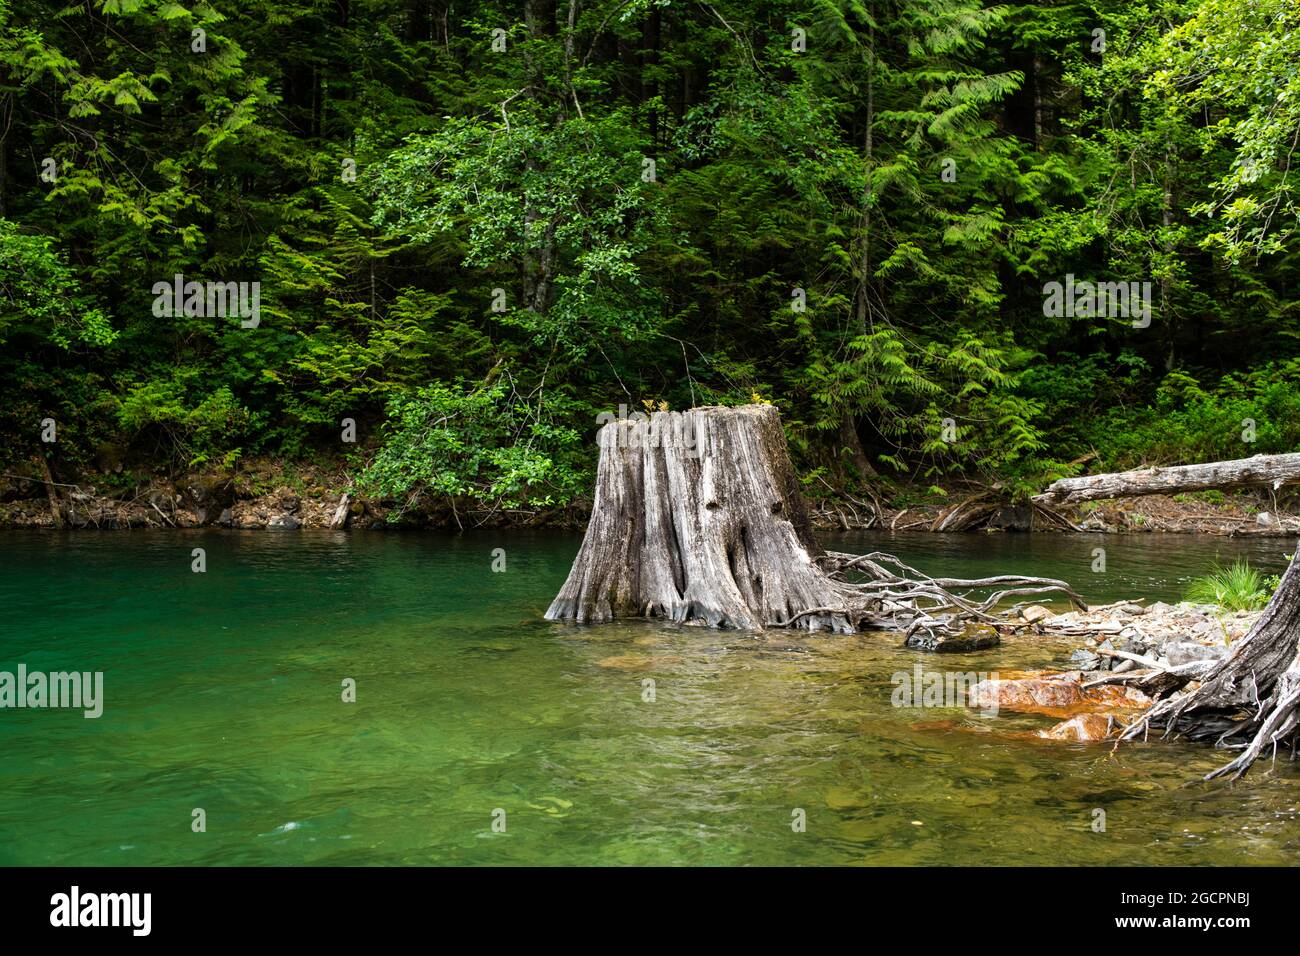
{"x":1237,"y":587}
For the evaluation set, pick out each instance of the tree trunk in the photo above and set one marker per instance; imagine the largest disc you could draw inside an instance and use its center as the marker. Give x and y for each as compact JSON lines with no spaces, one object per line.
{"x":863,"y":305}
{"x":1038,"y":100}
{"x":1275,"y":470}
{"x":698,"y":517}
{"x":853,"y":445}
{"x":52,"y":492}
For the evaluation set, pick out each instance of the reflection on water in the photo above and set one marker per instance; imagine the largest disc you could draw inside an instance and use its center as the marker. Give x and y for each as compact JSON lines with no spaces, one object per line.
{"x":223,"y":692}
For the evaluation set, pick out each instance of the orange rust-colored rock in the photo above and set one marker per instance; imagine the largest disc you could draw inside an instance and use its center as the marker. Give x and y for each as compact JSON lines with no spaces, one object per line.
{"x":1053,"y":694}
{"x":1081,"y":727}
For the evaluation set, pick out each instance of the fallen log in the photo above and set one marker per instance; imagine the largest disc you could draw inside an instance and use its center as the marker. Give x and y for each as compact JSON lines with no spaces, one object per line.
{"x":1273,"y":470}
{"x":698,"y":518}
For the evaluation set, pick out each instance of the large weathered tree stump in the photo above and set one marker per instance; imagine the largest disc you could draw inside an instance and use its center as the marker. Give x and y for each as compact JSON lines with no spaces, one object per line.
{"x":698,"y":518}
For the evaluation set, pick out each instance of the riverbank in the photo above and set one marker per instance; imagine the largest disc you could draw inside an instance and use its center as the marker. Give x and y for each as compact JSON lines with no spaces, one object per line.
{"x":1130,"y":652}
{"x":1248,"y":512}
{"x":272,"y":494}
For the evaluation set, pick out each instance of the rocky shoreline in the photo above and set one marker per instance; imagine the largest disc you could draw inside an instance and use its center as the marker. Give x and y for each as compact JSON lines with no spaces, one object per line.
{"x":272,"y":495}
{"x":311,"y":500}
{"x":1128,"y":650}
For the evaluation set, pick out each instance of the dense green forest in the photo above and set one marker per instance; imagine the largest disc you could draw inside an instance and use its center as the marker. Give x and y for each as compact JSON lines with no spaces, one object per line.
{"x":474,"y":227}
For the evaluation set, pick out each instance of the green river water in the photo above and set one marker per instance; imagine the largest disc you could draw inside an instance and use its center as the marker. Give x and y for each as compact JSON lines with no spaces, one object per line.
{"x":222,"y":691}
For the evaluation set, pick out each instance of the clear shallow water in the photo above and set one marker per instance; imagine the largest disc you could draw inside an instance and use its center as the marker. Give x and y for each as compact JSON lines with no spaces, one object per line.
{"x":222,"y":691}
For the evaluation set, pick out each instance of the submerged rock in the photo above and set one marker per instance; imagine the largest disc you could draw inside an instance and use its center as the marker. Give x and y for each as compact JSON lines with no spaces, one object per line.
{"x":627,"y":662}
{"x":1052,"y":694}
{"x":1081,"y":727}
{"x":953,"y":643}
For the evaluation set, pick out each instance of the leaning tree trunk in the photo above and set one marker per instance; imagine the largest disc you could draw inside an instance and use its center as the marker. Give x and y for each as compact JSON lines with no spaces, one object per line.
{"x":698,"y":518}
{"x":1251,"y":699}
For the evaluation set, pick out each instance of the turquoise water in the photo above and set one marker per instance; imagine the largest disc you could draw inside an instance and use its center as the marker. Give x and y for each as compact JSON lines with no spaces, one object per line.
{"x":223,"y":692}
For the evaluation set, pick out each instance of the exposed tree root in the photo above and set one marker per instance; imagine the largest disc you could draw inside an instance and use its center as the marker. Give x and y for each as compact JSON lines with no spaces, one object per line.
{"x":897,"y":596}
{"x":965,"y":514}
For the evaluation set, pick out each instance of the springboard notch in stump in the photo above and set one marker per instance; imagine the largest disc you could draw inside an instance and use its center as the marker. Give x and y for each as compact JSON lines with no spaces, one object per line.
{"x":698,"y":518}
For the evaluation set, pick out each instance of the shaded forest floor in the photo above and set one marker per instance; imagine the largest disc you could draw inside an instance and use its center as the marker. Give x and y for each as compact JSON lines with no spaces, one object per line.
{"x":275,"y":494}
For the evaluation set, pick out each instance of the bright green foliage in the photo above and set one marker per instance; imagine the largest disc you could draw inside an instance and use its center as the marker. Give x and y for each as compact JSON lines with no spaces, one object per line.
{"x":1185,"y":420}
{"x":1238,"y":63}
{"x":559,"y":209}
{"x":41,"y":298}
{"x":847,"y":208}
{"x":485,"y":445}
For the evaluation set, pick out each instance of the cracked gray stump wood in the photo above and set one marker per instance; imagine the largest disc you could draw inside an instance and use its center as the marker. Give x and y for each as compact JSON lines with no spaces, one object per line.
{"x":1274,"y":470}
{"x":698,"y":517}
